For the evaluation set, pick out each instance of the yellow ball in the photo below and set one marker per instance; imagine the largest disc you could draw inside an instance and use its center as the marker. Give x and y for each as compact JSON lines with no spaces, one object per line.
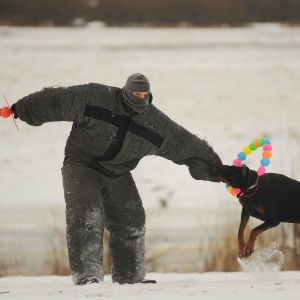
{"x":247,"y":150}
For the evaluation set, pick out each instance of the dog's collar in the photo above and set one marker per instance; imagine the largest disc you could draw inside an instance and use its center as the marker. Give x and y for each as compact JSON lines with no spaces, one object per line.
{"x":247,"y":189}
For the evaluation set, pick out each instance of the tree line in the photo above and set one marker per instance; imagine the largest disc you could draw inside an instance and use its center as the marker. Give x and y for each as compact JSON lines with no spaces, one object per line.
{"x":148,"y":12}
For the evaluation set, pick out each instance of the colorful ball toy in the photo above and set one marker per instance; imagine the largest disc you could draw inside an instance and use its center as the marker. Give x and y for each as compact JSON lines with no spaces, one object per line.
{"x":5,"y":112}
{"x":266,"y":146}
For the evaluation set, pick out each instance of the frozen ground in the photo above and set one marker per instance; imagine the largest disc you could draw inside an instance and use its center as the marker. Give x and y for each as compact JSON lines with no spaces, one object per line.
{"x":261,"y":278}
{"x":229,"y":85}
{"x":225,"y":286}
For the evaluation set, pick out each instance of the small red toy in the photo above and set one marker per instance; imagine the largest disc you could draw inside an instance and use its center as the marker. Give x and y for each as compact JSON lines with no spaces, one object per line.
{"x":5,"y":112}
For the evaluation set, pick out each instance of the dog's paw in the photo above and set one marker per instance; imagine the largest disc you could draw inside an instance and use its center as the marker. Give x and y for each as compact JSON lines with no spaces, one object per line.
{"x":248,"y":250}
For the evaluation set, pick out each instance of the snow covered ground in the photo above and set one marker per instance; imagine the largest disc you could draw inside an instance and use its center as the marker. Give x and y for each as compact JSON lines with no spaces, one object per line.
{"x":225,"y":286}
{"x":229,"y":85}
{"x":261,"y":278}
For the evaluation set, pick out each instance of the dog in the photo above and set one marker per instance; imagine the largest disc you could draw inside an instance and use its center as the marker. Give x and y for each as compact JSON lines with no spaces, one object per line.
{"x":272,"y":198}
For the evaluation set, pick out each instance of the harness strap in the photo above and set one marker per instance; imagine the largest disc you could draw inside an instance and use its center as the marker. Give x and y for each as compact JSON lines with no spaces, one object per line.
{"x":124,"y":124}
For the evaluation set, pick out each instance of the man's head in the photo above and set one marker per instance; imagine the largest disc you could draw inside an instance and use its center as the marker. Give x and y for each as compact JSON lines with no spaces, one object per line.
{"x":137,"y":82}
{"x":136,"y":92}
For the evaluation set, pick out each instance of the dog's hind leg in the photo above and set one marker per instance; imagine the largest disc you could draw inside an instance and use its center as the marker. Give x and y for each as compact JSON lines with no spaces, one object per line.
{"x":249,"y":247}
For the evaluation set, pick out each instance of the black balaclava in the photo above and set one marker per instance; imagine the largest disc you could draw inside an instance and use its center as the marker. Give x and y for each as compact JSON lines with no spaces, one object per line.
{"x":137,"y":82}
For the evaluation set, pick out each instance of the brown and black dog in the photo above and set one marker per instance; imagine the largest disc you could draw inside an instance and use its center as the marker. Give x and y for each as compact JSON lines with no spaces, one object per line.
{"x":272,"y":198}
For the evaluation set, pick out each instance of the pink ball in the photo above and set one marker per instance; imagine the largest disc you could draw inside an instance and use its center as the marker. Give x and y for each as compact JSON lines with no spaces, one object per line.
{"x":261,"y":171}
{"x":237,"y":191}
{"x":237,"y":162}
{"x":267,"y":147}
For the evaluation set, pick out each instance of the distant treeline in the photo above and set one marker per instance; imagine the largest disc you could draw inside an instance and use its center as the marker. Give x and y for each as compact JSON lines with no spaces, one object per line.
{"x":147,"y":12}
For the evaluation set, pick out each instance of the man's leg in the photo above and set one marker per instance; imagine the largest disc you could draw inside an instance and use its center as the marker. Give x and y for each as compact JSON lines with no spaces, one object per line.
{"x":85,"y":222}
{"x":126,"y":223}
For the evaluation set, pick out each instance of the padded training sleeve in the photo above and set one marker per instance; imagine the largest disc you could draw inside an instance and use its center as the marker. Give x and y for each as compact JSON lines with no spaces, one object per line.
{"x":53,"y":104}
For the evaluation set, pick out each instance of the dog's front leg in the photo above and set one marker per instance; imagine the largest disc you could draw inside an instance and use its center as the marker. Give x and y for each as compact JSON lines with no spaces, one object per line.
{"x":249,"y":247}
{"x":241,"y":240}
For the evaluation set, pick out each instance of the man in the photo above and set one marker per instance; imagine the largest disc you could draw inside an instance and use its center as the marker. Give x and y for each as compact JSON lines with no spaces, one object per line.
{"x":113,"y":129}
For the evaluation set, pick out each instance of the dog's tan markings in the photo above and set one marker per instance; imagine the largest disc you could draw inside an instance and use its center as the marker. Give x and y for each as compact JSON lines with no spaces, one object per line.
{"x":260,"y":209}
{"x":222,"y":179}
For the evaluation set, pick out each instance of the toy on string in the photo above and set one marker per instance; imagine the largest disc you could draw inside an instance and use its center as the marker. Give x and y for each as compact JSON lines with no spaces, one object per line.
{"x":266,"y":146}
{"x":5,"y":112}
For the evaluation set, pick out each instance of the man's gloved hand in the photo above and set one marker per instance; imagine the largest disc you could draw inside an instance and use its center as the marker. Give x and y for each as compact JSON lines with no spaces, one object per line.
{"x":13,"y":109}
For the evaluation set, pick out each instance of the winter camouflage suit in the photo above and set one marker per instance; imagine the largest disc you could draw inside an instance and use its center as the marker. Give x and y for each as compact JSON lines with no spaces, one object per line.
{"x":106,"y":142}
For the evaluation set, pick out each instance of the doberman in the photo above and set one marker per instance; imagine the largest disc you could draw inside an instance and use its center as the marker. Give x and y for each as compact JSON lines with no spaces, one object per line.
{"x":272,"y":198}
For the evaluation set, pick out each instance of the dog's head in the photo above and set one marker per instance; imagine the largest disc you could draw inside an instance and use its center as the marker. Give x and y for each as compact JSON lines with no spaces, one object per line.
{"x":237,"y":177}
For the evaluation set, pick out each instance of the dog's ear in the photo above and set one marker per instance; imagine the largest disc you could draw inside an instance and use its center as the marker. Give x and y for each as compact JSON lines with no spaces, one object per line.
{"x":245,"y":171}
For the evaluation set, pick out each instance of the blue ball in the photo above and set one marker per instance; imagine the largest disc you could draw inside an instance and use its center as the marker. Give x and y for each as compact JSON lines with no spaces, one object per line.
{"x":241,"y":156}
{"x":265,"y":161}
{"x":266,"y":141}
